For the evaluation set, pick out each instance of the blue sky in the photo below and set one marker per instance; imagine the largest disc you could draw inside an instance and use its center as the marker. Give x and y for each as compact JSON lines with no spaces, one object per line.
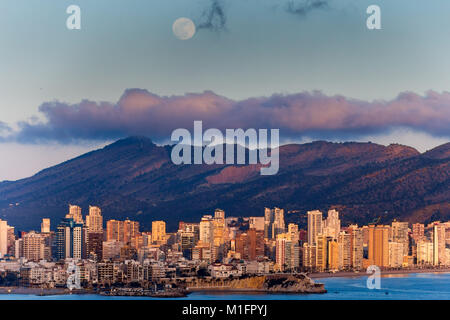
{"x":263,"y":50}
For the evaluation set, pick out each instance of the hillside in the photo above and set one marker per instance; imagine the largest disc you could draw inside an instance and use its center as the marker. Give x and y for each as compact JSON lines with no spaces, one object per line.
{"x":135,"y":178}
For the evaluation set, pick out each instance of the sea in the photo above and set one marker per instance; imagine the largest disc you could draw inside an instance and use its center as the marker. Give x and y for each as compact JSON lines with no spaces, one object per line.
{"x":412,"y":286}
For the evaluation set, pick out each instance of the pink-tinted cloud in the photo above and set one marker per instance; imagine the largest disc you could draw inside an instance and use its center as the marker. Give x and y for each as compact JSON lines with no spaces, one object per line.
{"x":139,"y":112}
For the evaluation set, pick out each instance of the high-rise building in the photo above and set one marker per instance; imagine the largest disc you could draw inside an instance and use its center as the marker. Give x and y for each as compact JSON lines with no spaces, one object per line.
{"x":439,"y":244}
{"x":293,"y":232}
{"x":69,"y":239}
{"x":207,"y":229}
{"x":425,"y":252}
{"x":268,"y":221}
{"x":287,"y":252}
{"x":256,"y":223}
{"x":418,"y":232}
{"x":45,"y":225}
{"x":3,"y":238}
{"x":332,"y":225}
{"x":400,"y":235}
{"x":309,"y":256}
{"x":357,"y":246}
{"x":190,"y":227}
{"x":11,"y":240}
{"x":278,"y":225}
{"x":94,"y":220}
{"x":122,"y":231}
{"x":250,"y":244}
{"x":95,"y":245}
{"x":334,"y":255}
{"x":130,"y":230}
{"x":345,"y":250}
{"x":396,"y":254}
{"x":378,"y":245}
{"x":75,"y":214}
{"x":314,"y":226}
{"x":219,"y":228}
{"x":158,"y":232}
{"x":33,"y":246}
{"x":322,"y":243}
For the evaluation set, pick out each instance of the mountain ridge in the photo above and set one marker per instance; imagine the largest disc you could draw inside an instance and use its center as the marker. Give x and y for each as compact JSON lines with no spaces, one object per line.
{"x":135,"y":178}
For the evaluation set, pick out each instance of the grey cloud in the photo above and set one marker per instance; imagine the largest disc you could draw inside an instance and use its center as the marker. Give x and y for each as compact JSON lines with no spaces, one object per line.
{"x":312,"y":114}
{"x":303,"y":7}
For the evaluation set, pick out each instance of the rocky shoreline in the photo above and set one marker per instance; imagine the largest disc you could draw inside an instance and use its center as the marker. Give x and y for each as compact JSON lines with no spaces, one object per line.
{"x":276,"y":283}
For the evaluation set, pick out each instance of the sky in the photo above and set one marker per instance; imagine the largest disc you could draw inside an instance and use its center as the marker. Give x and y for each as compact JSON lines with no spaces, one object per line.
{"x":308,"y":67}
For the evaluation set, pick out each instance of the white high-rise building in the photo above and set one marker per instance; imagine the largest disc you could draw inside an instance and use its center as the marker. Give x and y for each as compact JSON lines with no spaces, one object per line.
{"x":3,"y":238}
{"x":395,"y":254}
{"x":424,"y":252}
{"x":207,"y":229}
{"x":332,"y":225}
{"x":314,"y":226}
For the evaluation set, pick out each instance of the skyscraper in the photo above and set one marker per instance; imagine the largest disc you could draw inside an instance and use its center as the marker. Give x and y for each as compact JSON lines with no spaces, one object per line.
{"x":45,"y":225}
{"x":122,"y":231}
{"x":219,"y":227}
{"x":69,"y":239}
{"x":94,"y":221}
{"x":250,"y":244}
{"x":418,"y":231}
{"x":357,"y":246}
{"x":332,"y":225}
{"x":314,"y":226}
{"x":268,"y":221}
{"x":378,"y":245}
{"x":256,"y":223}
{"x":206,"y":229}
{"x":287,"y":252}
{"x":322,"y":262}
{"x":400,"y":235}
{"x":439,"y":252}
{"x":345,"y":250}
{"x":75,"y":214}
{"x":114,"y":230}
{"x":33,"y":246}
{"x":158,"y":231}
{"x":3,"y":238}
{"x":278,"y":225}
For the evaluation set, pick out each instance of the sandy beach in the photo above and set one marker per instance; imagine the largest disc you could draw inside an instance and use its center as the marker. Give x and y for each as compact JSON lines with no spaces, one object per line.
{"x":348,"y":274}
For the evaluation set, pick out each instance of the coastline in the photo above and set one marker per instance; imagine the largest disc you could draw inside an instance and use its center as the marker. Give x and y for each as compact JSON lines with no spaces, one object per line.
{"x":350,"y":274}
{"x":314,"y":276}
{"x":41,"y":291}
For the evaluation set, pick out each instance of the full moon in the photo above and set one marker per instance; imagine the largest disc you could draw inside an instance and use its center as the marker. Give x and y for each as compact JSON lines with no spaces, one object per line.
{"x":183,"y":28}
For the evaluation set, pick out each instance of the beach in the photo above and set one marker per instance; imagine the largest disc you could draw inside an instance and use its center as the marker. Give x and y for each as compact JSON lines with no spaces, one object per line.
{"x":351,"y":274}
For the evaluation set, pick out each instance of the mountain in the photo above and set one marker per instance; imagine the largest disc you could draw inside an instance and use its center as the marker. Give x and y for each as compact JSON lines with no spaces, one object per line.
{"x":135,"y":178}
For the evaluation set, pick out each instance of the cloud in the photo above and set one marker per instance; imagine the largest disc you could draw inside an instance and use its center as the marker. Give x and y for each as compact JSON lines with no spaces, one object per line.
{"x":312,"y":114}
{"x":4,"y":128}
{"x":303,"y":7}
{"x":213,"y":17}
